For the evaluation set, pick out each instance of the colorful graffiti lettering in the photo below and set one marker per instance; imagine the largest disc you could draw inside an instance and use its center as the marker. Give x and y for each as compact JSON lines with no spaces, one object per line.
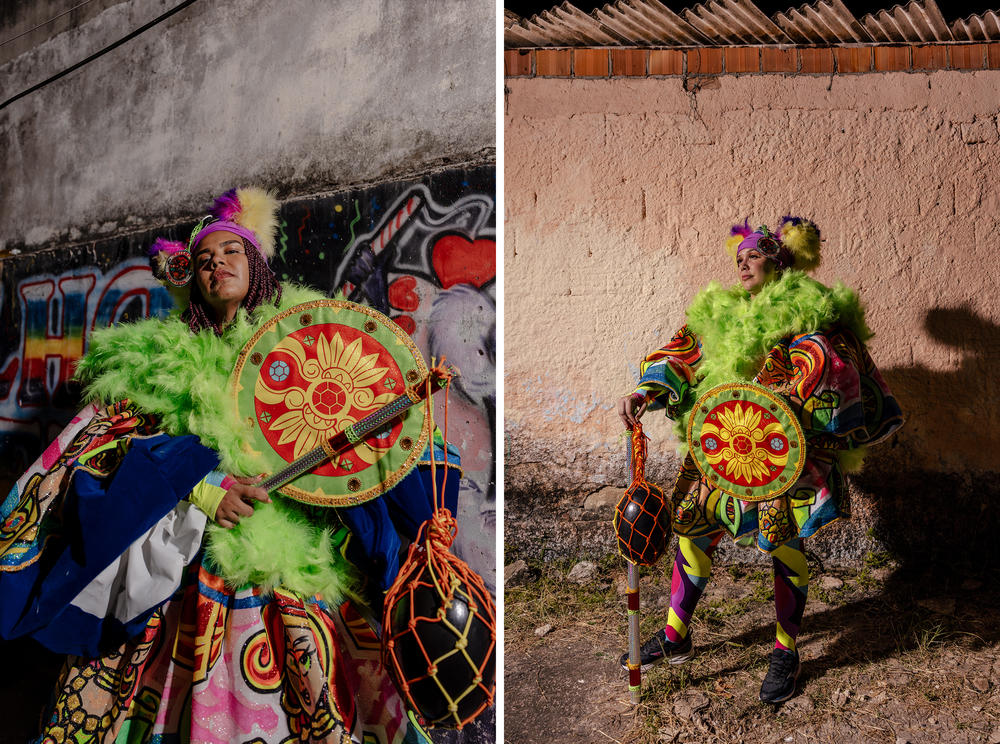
{"x":57,"y":314}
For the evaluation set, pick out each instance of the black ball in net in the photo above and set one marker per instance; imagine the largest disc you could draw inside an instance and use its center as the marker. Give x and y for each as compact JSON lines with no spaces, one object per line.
{"x":642,"y":523}
{"x":440,"y":638}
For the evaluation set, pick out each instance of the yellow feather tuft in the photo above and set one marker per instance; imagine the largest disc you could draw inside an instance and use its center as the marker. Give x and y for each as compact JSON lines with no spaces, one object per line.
{"x":732,"y":244}
{"x":259,"y":212}
{"x":851,"y":460}
{"x":160,"y":259}
{"x":804,"y":243}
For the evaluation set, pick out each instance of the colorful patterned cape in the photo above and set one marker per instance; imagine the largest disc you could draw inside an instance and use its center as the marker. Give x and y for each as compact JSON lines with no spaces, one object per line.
{"x":77,"y":511}
{"x":102,"y":556}
{"x":824,"y":372}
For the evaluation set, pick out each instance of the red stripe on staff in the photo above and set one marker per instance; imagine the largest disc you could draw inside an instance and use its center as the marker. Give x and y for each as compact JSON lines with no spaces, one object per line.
{"x":633,"y":601}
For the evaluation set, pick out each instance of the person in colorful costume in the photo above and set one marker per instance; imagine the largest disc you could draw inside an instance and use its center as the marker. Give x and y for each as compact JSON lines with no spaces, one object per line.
{"x":194,"y":606}
{"x":804,"y":341}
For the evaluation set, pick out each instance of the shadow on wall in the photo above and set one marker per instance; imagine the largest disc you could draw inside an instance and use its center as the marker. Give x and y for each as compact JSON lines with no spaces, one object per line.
{"x":936,"y":487}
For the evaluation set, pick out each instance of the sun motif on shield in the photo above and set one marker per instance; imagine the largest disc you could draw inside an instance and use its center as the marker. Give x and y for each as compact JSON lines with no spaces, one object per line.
{"x":744,"y":443}
{"x":322,"y":388}
{"x":312,"y":371}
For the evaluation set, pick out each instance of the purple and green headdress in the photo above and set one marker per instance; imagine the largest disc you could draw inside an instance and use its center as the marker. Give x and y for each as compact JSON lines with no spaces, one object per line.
{"x":796,"y":245}
{"x":251,"y":213}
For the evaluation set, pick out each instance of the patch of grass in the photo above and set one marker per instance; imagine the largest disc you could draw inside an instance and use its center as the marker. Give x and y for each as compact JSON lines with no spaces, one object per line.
{"x":763,"y":585}
{"x":715,"y":612}
{"x":662,"y":681}
{"x":928,"y":637}
{"x":877,"y":559}
{"x":552,"y":599}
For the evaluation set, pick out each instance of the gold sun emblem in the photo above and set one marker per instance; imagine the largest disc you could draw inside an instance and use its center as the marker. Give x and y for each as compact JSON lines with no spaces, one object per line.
{"x":337,"y":393}
{"x":742,"y":455}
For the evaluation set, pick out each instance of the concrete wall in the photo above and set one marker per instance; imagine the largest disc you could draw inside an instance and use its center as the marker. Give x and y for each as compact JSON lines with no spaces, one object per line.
{"x":619,"y":194}
{"x":24,"y":24}
{"x":344,"y":107}
{"x":308,"y":95}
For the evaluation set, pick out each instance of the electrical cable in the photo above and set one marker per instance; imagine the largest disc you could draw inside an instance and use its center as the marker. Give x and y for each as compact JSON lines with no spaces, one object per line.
{"x":44,"y":23}
{"x":97,"y":54}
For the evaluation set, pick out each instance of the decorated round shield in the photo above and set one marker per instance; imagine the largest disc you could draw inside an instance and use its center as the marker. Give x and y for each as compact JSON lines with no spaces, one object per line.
{"x":316,"y":369}
{"x":179,"y":269}
{"x":746,"y":441}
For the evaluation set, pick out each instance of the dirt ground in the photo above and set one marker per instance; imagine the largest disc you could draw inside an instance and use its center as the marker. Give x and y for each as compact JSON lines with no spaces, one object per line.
{"x":887,"y":657}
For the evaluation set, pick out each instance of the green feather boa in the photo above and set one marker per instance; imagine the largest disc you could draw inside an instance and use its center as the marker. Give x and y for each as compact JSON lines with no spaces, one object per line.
{"x":738,"y":329}
{"x":183,"y":378}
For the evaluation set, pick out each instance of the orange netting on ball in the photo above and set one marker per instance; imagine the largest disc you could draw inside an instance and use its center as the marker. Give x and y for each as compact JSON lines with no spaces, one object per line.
{"x":439,"y":627}
{"x":642,"y":520}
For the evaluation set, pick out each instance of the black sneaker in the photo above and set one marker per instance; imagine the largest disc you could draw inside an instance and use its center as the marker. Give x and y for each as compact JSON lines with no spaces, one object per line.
{"x":658,"y":649}
{"x":779,"y":683}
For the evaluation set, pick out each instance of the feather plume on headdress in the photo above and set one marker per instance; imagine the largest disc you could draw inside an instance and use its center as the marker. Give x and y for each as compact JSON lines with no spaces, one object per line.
{"x":802,"y":238}
{"x":736,"y":235}
{"x":250,"y":212}
{"x":798,"y":236}
{"x":253,"y":208}
{"x":160,"y":253}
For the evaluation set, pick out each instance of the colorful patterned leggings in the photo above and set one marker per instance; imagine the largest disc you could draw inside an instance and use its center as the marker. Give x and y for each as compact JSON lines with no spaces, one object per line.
{"x":693,"y":564}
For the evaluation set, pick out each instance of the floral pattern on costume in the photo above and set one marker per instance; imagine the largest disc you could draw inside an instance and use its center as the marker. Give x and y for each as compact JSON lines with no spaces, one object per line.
{"x":333,"y":389}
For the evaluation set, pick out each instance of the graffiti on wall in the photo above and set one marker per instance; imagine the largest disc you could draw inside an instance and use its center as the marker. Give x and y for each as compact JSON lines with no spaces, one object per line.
{"x":421,"y":252}
{"x":425,"y":255}
{"x":54,"y":316}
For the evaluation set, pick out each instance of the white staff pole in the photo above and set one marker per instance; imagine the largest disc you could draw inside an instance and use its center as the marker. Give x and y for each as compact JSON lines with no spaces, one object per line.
{"x":634,"y":665}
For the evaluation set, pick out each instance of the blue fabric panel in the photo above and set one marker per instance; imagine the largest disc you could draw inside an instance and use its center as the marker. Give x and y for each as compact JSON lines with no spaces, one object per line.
{"x":100,"y":518}
{"x":75,"y":629}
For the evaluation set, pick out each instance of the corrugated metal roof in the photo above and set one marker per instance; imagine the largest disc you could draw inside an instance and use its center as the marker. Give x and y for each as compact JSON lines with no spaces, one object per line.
{"x":740,"y":22}
{"x":977,"y":27}
{"x":824,"y":22}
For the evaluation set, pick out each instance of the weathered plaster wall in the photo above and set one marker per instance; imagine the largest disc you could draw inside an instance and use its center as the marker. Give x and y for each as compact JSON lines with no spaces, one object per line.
{"x":619,"y":194}
{"x":303,"y":94}
{"x":26,"y":23}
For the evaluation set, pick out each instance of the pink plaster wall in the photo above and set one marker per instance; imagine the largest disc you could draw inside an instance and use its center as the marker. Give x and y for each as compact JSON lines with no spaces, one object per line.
{"x":619,"y":194}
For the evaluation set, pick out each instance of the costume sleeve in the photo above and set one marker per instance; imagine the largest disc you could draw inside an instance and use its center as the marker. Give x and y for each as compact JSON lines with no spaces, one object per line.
{"x":207,"y":495}
{"x":668,"y":373}
{"x":842,"y":400}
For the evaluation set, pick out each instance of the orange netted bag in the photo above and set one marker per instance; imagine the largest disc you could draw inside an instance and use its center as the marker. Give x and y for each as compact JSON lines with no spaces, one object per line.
{"x":642,"y":520}
{"x":439,"y":631}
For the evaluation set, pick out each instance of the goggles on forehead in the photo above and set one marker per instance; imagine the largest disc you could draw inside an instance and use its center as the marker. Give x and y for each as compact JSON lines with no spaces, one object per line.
{"x":768,"y":244}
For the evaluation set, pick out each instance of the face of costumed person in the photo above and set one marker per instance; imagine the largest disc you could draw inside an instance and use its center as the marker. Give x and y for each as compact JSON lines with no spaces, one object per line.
{"x":222,"y":273}
{"x":755,"y":270}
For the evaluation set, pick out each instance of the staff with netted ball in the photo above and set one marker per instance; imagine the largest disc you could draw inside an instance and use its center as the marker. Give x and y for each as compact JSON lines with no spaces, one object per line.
{"x":776,"y":397}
